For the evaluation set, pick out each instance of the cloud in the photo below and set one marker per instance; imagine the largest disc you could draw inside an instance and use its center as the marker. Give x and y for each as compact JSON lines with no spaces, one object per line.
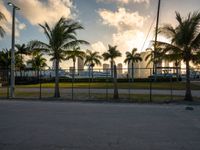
{"x":39,"y":11}
{"x":98,"y":46}
{"x":7,"y":24}
{"x":129,"y":25}
{"x":127,"y":40}
{"x":22,"y":26}
{"x":125,"y":1}
{"x":122,"y":19}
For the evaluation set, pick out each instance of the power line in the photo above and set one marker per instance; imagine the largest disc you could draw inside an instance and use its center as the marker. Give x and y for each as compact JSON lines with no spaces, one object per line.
{"x":148,"y":33}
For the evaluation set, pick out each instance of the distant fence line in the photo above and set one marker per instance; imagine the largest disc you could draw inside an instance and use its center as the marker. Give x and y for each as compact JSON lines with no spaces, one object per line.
{"x":95,"y":84}
{"x":96,"y":72}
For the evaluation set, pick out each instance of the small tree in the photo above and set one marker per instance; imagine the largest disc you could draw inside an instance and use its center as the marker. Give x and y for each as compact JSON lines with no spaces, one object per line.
{"x":112,"y":54}
{"x":22,"y":50}
{"x":92,"y":59}
{"x":132,"y":57}
{"x":38,"y":62}
{"x":73,"y":54}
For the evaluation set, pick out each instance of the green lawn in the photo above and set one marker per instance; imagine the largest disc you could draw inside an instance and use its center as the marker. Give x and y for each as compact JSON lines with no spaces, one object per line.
{"x":136,"y":85}
{"x":141,"y":98}
{"x":19,"y":93}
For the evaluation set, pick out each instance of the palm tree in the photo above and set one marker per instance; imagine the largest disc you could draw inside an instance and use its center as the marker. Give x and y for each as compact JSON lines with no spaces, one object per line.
{"x":132,"y":57}
{"x":112,"y":54}
{"x":38,"y":62}
{"x":22,"y":50}
{"x":61,"y":37}
{"x":92,"y":59}
{"x":73,"y":54}
{"x":197,"y":59}
{"x":173,"y":57}
{"x":155,"y":56}
{"x":5,"y":59}
{"x":185,"y":43}
{"x":2,"y":31}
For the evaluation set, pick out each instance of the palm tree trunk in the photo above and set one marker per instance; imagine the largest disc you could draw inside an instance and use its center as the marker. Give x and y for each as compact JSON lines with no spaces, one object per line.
{"x":74,"y":69}
{"x":38,"y":74}
{"x":188,"y":94}
{"x":92,"y":73}
{"x":116,"y":95}
{"x":177,"y":70}
{"x":111,"y":69}
{"x":21,"y":66}
{"x":132,"y":71}
{"x":57,"y":91}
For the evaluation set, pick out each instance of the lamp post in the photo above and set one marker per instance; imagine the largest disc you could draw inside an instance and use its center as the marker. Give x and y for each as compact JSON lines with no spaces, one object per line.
{"x":12,"y":71}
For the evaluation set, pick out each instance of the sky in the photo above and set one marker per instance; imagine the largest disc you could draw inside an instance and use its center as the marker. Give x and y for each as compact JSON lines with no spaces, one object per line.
{"x":124,"y":23}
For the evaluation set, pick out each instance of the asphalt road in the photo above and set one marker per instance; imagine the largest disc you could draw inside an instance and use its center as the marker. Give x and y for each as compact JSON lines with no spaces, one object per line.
{"x":97,"y":126}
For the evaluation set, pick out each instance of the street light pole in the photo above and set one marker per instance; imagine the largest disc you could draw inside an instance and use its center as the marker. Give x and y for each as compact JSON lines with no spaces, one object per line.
{"x":12,"y":71}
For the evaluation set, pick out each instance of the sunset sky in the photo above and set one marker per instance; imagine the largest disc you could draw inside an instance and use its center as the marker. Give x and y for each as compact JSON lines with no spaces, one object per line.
{"x":117,"y":22}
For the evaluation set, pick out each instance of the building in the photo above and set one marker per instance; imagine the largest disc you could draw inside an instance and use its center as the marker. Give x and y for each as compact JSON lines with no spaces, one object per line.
{"x":71,"y":69}
{"x":105,"y":67}
{"x":119,"y":69}
{"x":141,"y":69}
{"x":80,"y":65}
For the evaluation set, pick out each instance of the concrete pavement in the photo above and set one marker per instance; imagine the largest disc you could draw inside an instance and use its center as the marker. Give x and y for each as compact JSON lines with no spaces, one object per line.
{"x":93,"y":126}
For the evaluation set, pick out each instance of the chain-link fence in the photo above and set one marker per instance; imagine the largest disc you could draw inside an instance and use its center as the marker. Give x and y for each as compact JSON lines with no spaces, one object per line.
{"x":136,"y":85}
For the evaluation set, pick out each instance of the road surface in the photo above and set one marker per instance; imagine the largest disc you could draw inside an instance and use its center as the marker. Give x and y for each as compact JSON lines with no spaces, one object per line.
{"x":94,"y":126}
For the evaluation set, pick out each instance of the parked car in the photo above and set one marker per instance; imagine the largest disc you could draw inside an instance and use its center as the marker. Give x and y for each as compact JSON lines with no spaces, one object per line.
{"x":163,"y":77}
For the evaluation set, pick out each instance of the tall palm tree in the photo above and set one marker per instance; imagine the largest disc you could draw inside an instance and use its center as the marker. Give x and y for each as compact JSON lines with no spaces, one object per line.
{"x":112,"y":54}
{"x":92,"y":59}
{"x":185,"y":43}
{"x":2,"y":31}
{"x":61,"y":37}
{"x":38,"y":62}
{"x":22,"y":50}
{"x":73,"y":54}
{"x":132,"y":57}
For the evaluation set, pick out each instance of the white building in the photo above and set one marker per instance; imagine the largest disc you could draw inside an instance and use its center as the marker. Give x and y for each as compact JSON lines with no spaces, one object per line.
{"x":80,"y":65}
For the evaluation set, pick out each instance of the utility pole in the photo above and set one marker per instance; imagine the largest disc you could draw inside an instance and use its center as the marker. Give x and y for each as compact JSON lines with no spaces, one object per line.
{"x":156,"y":36}
{"x":12,"y":71}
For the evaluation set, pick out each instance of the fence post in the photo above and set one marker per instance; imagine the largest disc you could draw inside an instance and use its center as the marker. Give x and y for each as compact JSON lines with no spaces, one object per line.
{"x":8,"y":82}
{"x":40,"y":96}
{"x":106,"y":84}
{"x":89,"y":84}
{"x":150,"y":86}
{"x":73,"y":84}
{"x":171,"y":88}
{"x":129,"y":90}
